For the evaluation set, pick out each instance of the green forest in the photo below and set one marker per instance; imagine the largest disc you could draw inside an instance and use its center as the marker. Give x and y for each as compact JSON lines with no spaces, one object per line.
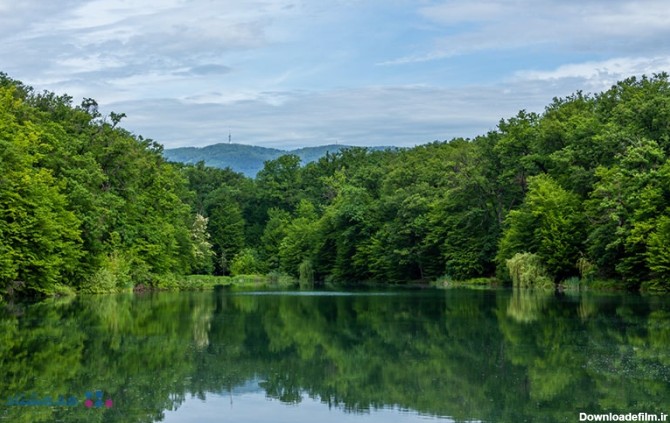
{"x":575,"y":195}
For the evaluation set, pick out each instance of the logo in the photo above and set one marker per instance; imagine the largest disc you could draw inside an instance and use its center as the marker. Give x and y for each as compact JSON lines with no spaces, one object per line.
{"x":93,"y":399}
{"x":96,"y":400}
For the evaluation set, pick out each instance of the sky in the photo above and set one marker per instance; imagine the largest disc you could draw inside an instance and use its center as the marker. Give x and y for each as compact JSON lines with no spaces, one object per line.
{"x":292,"y":73}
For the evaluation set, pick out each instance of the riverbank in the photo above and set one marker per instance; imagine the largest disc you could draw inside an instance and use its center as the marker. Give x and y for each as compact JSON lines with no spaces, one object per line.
{"x":570,"y":285}
{"x":279,"y":282}
{"x":241,"y":282}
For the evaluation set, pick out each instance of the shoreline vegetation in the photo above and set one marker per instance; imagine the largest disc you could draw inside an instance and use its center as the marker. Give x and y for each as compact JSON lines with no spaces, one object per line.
{"x":576,"y":197}
{"x":274,"y":282}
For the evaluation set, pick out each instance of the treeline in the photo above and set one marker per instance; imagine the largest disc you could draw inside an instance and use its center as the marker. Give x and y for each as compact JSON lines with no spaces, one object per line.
{"x":577,"y":193}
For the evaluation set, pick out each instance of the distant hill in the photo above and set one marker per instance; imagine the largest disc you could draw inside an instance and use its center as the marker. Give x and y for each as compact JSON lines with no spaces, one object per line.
{"x":247,"y":159}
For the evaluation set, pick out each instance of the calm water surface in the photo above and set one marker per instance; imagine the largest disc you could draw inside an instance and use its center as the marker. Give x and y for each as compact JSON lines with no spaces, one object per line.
{"x":419,"y":356}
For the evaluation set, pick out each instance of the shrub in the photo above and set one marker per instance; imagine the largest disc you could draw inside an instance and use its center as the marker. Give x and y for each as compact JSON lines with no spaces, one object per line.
{"x":113,"y":275}
{"x":245,"y":263}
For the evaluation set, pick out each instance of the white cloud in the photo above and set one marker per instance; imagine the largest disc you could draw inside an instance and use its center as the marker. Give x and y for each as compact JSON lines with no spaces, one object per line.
{"x":371,"y":116}
{"x":600,"y":75}
{"x":230,"y":24}
{"x":278,"y":71}
{"x":144,"y":36}
{"x":588,"y":26}
{"x":89,"y":63}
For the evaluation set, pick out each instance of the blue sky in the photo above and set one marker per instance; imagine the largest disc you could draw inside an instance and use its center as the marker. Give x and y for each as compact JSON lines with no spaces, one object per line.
{"x":290,"y":73}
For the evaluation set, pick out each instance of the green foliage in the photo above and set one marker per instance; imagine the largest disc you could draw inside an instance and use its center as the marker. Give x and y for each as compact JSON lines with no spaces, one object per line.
{"x":527,"y":271}
{"x":658,"y":255}
{"x":586,"y":268}
{"x":549,"y":223}
{"x":274,"y":232}
{"x":245,"y":263}
{"x":465,"y":217}
{"x":628,"y":200}
{"x":584,"y":187}
{"x":226,"y":226}
{"x":299,"y":243}
{"x":39,"y":240}
{"x":571,"y":284}
{"x":306,"y":274}
{"x":279,"y":183}
{"x":114,"y":275}
{"x":78,"y":194}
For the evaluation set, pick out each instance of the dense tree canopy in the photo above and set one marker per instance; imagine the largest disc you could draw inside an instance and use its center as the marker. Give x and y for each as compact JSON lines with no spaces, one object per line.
{"x":84,"y":203}
{"x":583,"y":188}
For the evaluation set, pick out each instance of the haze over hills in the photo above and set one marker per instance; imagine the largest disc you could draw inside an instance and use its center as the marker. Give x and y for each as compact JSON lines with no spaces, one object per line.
{"x":246,"y":159}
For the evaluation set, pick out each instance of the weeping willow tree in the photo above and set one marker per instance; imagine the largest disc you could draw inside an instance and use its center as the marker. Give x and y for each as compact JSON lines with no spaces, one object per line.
{"x":527,"y":271}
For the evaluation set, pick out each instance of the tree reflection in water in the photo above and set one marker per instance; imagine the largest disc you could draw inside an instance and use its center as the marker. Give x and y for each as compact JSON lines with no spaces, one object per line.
{"x":471,"y":355}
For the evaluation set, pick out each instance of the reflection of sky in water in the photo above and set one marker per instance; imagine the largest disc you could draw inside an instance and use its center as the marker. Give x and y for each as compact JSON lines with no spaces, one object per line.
{"x":320,"y":293}
{"x":400,"y":292}
{"x":256,"y":407}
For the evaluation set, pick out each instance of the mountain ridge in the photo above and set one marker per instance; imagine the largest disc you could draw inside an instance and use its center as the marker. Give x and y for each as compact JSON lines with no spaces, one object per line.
{"x":246,"y":159}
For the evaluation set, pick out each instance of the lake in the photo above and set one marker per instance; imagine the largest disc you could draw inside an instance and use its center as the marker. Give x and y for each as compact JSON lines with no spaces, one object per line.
{"x":392,"y":356}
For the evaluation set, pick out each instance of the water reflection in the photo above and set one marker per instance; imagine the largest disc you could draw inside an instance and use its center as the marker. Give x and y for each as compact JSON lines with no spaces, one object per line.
{"x":453,"y":355}
{"x":527,"y":305}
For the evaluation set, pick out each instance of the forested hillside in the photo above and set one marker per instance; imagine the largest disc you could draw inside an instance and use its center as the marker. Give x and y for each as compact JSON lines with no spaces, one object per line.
{"x":246,"y":159}
{"x":578,"y":193}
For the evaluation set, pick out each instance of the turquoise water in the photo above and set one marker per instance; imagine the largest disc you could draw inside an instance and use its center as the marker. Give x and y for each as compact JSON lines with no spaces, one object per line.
{"x":410,"y":356}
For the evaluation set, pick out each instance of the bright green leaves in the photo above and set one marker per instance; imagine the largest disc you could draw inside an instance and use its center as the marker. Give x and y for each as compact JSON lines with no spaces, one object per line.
{"x":39,"y":238}
{"x":640,"y":107}
{"x":83,"y":203}
{"x":550,"y":224}
{"x":273,"y":235}
{"x":300,"y":241}
{"x":245,"y":263}
{"x":528,"y":271}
